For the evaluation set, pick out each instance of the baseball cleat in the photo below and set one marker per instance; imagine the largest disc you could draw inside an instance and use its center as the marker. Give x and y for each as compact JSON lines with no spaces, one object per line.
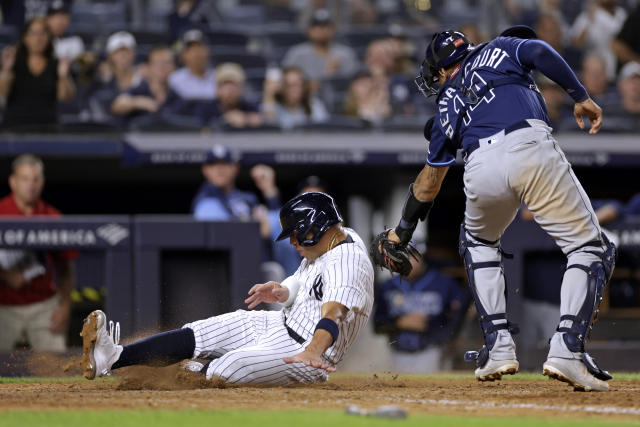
{"x":495,"y":369}
{"x":573,"y":372}
{"x":100,"y":349}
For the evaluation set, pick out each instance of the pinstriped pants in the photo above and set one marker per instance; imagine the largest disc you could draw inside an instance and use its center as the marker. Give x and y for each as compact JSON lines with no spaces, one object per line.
{"x":252,"y":344}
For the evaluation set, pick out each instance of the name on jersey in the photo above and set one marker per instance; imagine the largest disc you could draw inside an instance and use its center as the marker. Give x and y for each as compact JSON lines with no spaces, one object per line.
{"x":489,"y":58}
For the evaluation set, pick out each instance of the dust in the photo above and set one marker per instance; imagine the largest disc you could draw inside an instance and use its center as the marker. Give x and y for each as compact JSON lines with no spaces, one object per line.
{"x":165,"y":378}
{"x":53,"y":365}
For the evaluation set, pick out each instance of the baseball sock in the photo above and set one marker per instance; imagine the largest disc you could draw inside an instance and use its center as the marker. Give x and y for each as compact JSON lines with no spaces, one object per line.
{"x":162,"y":349}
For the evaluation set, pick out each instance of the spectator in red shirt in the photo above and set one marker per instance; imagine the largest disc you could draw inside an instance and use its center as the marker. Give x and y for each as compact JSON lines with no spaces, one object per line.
{"x":32,"y":306}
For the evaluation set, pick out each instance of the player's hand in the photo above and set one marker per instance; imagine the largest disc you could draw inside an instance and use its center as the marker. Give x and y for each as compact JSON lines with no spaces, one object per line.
{"x":60,"y":318}
{"x":266,"y":292}
{"x":64,"y":66}
{"x":310,"y":359}
{"x":592,"y":111}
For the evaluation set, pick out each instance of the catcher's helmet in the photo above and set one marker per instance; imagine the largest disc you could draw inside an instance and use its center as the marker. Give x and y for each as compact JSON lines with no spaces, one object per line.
{"x":311,"y":212}
{"x":446,"y":49}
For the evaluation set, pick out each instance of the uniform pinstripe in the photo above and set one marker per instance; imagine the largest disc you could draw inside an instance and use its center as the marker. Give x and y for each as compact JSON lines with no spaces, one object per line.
{"x":253,"y":343}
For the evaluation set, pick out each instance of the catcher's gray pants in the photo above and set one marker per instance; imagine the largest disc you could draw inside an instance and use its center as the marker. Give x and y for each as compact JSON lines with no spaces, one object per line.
{"x":527,"y":166}
{"x":252,"y":344}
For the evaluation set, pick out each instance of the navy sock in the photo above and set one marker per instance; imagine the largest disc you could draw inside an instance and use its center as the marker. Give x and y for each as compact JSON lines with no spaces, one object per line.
{"x":162,"y":349}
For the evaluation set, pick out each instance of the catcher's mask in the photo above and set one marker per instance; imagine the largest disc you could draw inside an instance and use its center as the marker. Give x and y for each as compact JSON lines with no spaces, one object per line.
{"x":309,"y":216}
{"x":446,"y":48}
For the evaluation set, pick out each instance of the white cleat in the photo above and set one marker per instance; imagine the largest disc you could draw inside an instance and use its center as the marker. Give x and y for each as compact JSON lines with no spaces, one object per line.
{"x":100,"y":349}
{"x":573,"y":372}
{"x":495,"y":369}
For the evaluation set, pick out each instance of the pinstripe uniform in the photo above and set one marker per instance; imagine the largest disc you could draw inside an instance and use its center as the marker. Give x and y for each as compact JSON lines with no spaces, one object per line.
{"x":253,"y":343}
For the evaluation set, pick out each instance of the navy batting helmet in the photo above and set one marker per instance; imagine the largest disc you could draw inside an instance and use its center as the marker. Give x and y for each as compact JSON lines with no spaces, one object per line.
{"x":446,"y":49}
{"x":309,"y":216}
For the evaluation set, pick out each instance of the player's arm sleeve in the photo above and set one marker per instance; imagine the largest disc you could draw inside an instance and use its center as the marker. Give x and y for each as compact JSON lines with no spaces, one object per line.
{"x":345,"y":280}
{"x":534,"y":53}
{"x":441,"y":152}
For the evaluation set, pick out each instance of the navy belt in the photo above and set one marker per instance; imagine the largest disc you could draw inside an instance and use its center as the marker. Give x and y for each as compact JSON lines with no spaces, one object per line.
{"x":512,"y":128}
{"x":293,"y":334}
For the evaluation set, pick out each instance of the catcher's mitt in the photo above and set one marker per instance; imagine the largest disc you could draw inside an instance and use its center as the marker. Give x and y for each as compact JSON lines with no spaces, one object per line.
{"x":393,"y":256}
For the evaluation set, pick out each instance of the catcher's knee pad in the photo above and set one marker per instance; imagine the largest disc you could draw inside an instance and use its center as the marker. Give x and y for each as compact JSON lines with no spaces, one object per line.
{"x":598,"y":275}
{"x":491,"y":257}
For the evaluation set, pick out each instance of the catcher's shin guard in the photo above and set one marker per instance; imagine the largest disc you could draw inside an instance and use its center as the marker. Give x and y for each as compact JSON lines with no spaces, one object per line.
{"x":489,"y":323}
{"x":598,"y":275}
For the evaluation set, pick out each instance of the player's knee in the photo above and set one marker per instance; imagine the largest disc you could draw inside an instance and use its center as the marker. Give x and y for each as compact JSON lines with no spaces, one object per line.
{"x":232,"y":368}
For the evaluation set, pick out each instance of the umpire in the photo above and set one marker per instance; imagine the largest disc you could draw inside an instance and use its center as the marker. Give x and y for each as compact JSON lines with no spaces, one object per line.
{"x":489,"y":106}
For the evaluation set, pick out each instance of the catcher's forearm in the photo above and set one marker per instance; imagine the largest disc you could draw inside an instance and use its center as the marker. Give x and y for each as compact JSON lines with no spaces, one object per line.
{"x":419,"y":201}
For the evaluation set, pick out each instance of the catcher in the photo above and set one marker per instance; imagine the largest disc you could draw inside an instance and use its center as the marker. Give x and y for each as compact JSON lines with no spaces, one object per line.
{"x":490,"y":107}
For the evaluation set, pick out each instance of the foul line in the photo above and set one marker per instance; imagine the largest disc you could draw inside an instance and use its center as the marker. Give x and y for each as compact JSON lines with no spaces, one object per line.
{"x":574,"y":408}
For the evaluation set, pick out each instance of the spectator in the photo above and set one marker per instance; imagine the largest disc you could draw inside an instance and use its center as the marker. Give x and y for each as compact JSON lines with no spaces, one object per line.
{"x":58,"y":20}
{"x":288,"y":102}
{"x":595,"y":28}
{"x":594,"y":78}
{"x":31,"y":80}
{"x":629,"y":88}
{"x":381,"y":60}
{"x":196,"y":80}
{"x":549,"y":28}
{"x":321,"y":57}
{"x":367,"y":99}
{"x":626,"y":45}
{"x":32,"y":304}
{"x":420,"y":314}
{"x":151,"y":94}
{"x":230,"y":104}
{"x":116,"y":75}
{"x":192,"y":13}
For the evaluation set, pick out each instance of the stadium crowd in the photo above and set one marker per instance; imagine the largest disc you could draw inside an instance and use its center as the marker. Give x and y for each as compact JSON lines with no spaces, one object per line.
{"x":283,"y":64}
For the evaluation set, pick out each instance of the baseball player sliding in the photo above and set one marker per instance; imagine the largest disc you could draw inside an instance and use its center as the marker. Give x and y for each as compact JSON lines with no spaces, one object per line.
{"x":327,"y":302}
{"x":490,"y":107}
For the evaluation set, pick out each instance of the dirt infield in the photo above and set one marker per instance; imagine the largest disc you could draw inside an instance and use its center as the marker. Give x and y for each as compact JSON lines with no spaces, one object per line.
{"x":171,"y":388}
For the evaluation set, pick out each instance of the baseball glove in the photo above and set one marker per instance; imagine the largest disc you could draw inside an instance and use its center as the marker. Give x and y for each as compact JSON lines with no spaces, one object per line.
{"x":393,"y":256}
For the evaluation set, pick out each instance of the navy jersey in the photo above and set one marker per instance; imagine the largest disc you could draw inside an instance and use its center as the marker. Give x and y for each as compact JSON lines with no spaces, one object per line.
{"x":499,"y":108}
{"x":434,"y":295}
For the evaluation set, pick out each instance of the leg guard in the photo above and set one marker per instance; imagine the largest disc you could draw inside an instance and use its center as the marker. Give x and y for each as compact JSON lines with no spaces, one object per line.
{"x":598,"y":275}
{"x":490,"y":321}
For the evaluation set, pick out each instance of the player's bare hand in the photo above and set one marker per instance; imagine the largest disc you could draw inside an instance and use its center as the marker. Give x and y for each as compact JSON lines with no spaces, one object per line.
{"x":266,"y":292}
{"x":592,"y":111}
{"x":310,"y":359}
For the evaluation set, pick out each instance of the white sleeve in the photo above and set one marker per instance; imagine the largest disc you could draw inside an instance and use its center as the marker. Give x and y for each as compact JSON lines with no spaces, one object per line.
{"x":293,"y":284}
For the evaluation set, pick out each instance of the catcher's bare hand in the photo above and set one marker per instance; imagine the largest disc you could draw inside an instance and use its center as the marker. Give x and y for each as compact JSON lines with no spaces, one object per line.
{"x":592,"y":111}
{"x":266,"y":292}
{"x":386,"y":251}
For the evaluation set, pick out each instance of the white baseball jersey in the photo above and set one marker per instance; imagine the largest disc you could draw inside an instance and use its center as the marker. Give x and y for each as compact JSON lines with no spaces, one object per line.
{"x":253,"y":343}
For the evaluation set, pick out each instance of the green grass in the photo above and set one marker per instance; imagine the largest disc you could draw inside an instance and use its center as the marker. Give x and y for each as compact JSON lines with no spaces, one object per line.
{"x":622,"y":376}
{"x":276,"y":419}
